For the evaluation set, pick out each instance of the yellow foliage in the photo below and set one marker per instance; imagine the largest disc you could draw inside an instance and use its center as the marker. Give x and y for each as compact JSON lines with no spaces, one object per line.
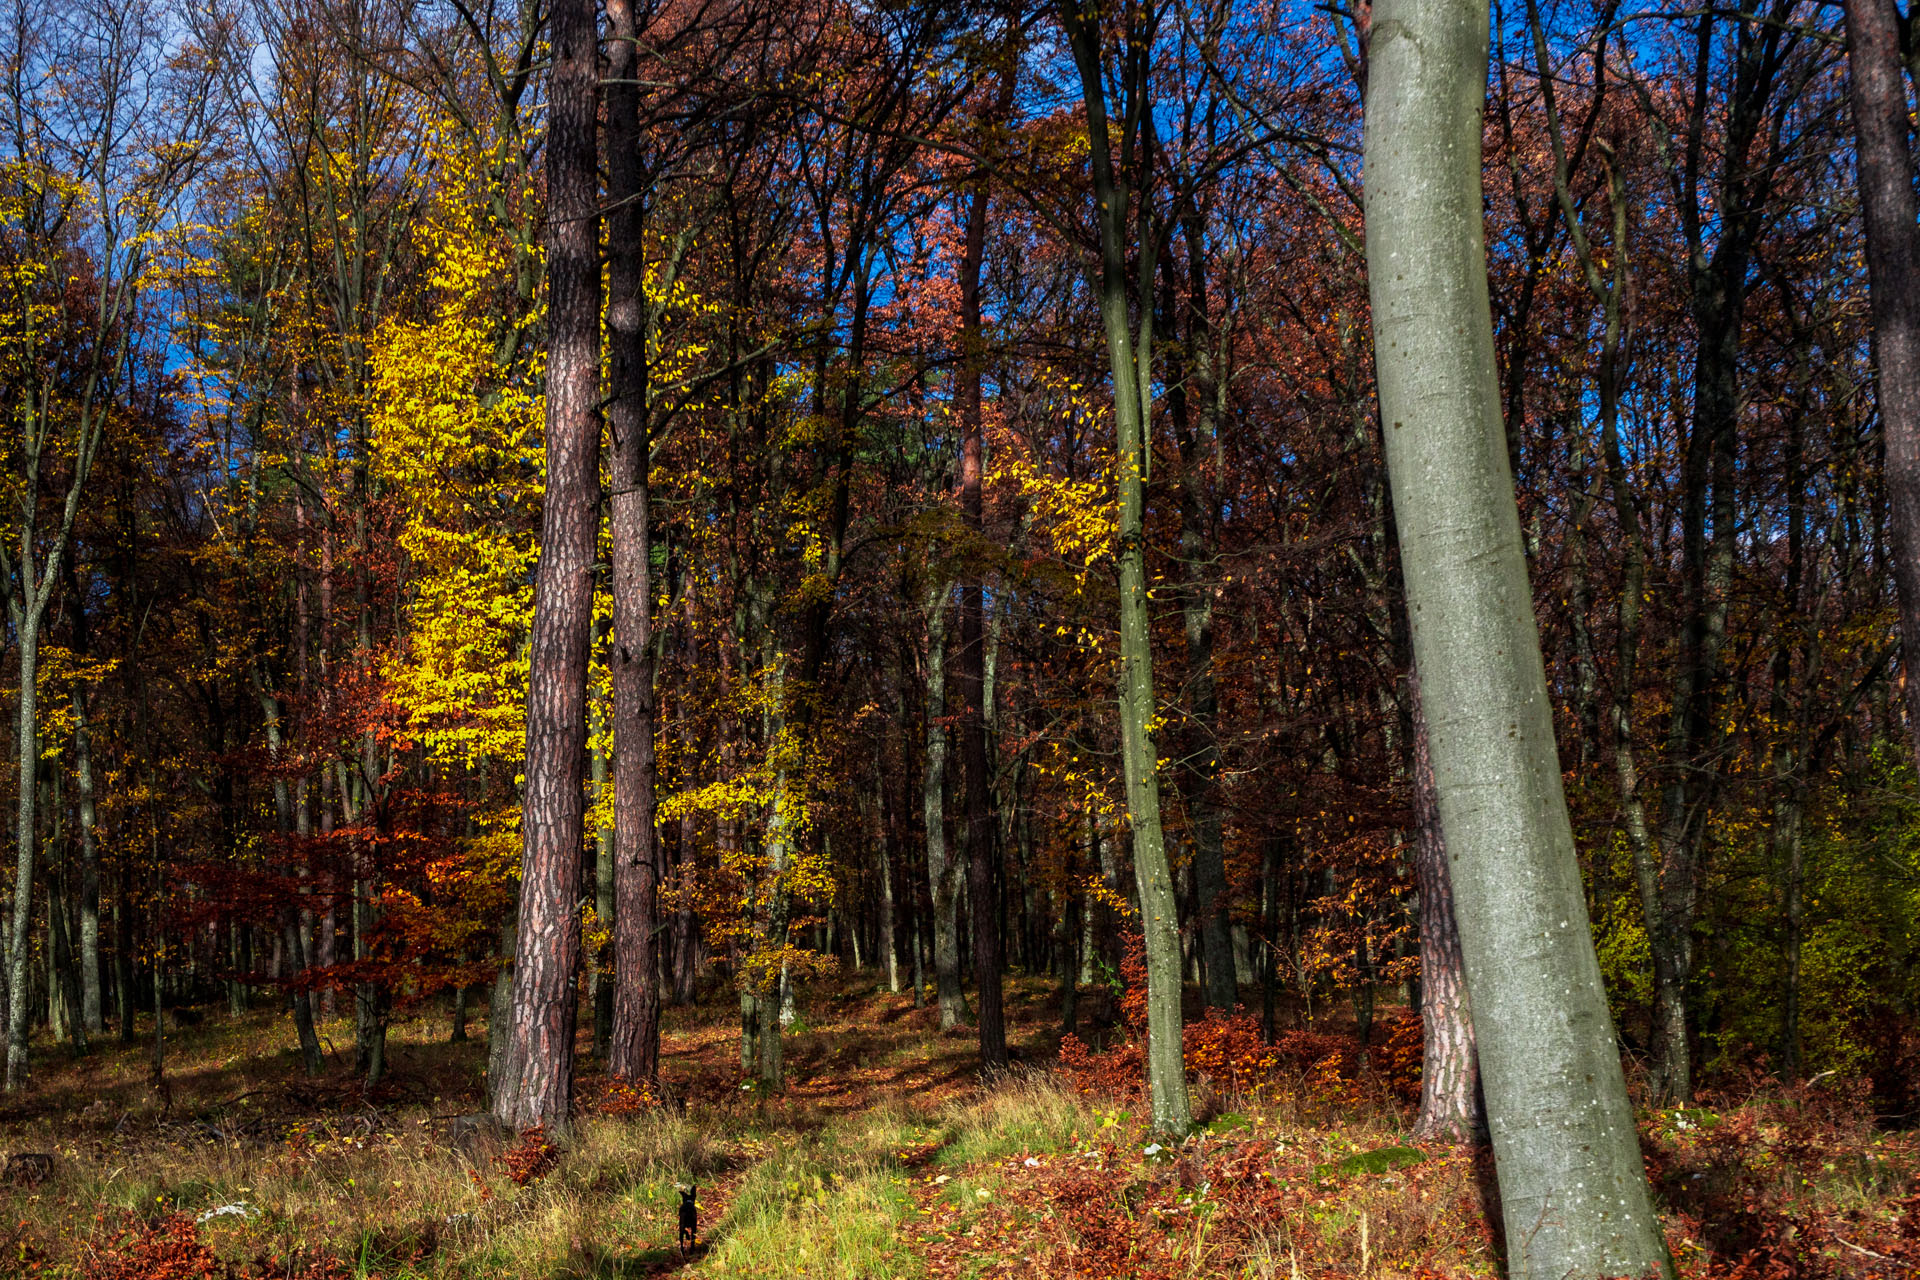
{"x":456,"y":440}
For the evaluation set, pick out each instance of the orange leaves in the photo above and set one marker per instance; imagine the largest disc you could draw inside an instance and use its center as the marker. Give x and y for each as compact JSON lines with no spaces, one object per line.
{"x":1399,"y":1060}
{"x":530,"y":1158}
{"x":625,"y":1098}
{"x":1229,"y":1050}
{"x":170,"y":1248}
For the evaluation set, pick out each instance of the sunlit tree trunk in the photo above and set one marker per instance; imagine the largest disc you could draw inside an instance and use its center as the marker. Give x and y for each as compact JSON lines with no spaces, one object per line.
{"x":1130,"y":357}
{"x":635,"y":1050}
{"x":1572,"y":1186}
{"x":553,"y":810}
{"x":883,"y":847}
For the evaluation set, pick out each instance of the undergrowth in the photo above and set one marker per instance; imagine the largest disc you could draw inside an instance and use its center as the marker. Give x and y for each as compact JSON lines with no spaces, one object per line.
{"x":885,"y":1159}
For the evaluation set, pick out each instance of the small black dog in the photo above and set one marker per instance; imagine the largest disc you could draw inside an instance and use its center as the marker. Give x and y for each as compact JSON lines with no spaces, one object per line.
{"x":689,"y":1218}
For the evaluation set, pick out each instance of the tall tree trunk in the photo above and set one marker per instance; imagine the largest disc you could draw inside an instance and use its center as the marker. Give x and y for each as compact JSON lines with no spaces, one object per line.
{"x":889,"y":946}
{"x":91,"y":1016}
{"x":300,"y":995}
{"x":553,"y":811}
{"x":501,"y":1066}
{"x":635,"y":1050}
{"x":1884,"y":161}
{"x":969,"y":657}
{"x":688,"y":952}
{"x":943,"y":870}
{"x":1221,"y":981}
{"x":125,"y":999}
{"x":26,"y":625}
{"x":1130,"y":357}
{"x":1573,"y":1189}
{"x":63,"y":995}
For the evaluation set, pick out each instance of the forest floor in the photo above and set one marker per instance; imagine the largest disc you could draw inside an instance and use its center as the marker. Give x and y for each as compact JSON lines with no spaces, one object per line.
{"x":886,"y":1157}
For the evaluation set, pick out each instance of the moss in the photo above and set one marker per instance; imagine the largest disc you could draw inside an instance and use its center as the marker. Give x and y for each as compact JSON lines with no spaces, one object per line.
{"x":1379,"y":1160}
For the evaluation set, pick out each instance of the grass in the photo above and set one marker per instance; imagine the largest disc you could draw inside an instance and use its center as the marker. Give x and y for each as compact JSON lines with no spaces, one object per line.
{"x":885,"y":1158}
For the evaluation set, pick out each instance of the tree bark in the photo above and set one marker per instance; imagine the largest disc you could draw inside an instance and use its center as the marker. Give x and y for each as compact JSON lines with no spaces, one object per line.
{"x":91,"y":1015}
{"x":553,"y":812}
{"x":1130,"y":357}
{"x":1572,"y":1186}
{"x":969,"y":657}
{"x":501,"y":1067}
{"x":1451,"y":1107}
{"x":1221,"y":980}
{"x":1884,"y":161}
{"x":635,"y":1051}
{"x":943,"y":870}
{"x":299,"y":995}
{"x":889,"y":943}
{"x":27,"y":745}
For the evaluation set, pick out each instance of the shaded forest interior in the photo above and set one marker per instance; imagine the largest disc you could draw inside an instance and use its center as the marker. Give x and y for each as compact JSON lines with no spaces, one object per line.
{"x":643,"y":567}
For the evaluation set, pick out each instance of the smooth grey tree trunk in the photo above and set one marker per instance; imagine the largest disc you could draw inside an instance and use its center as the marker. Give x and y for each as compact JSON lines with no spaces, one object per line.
{"x":1573,"y":1189}
{"x":1130,"y":359}
{"x":501,"y":1073}
{"x":26,"y":744}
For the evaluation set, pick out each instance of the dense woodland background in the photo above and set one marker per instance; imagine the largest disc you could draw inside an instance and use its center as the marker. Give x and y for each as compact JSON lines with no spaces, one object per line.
{"x":274,"y":343}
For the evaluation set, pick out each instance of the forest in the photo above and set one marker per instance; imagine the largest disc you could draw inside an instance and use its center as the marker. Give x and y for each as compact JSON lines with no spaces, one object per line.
{"x":960,"y":638}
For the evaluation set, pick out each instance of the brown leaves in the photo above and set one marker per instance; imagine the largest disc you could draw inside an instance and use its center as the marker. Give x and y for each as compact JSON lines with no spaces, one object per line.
{"x":530,"y":1158}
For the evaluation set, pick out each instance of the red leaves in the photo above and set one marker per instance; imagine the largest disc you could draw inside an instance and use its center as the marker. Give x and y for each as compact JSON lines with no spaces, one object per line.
{"x":170,"y":1248}
{"x":1228,"y":1050}
{"x":530,"y":1158}
{"x":1213,"y":1208}
{"x":1400,"y":1059}
{"x":625,"y":1098}
{"x":1745,"y":1183}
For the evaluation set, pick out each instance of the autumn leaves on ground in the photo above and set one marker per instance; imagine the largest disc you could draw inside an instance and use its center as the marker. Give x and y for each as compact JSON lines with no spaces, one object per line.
{"x":885,"y":1157}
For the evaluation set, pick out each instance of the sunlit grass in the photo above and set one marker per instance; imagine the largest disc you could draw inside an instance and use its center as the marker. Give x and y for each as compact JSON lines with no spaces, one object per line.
{"x":885,"y":1158}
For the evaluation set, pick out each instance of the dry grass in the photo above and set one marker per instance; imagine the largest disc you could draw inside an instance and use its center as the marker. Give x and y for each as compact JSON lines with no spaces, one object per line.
{"x":886,"y":1158}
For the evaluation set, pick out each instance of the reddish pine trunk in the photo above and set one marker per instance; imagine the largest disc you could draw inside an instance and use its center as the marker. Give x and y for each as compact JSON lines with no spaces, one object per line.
{"x":553,"y":812}
{"x":634,"y":1052}
{"x":1885,"y":164}
{"x":1451,"y":1109}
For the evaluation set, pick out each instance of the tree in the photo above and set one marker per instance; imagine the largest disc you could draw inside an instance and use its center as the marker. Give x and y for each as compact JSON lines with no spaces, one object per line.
{"x":634,"y":1052}
{"x":553,"y":813}
{"x":970,"y":654}
{"x":1451,"y":1106}
{"x":92,"y":180}
{"x":1887,"y":207}
{"x":1116,"y":190}
{"x":1573,"y":1191}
